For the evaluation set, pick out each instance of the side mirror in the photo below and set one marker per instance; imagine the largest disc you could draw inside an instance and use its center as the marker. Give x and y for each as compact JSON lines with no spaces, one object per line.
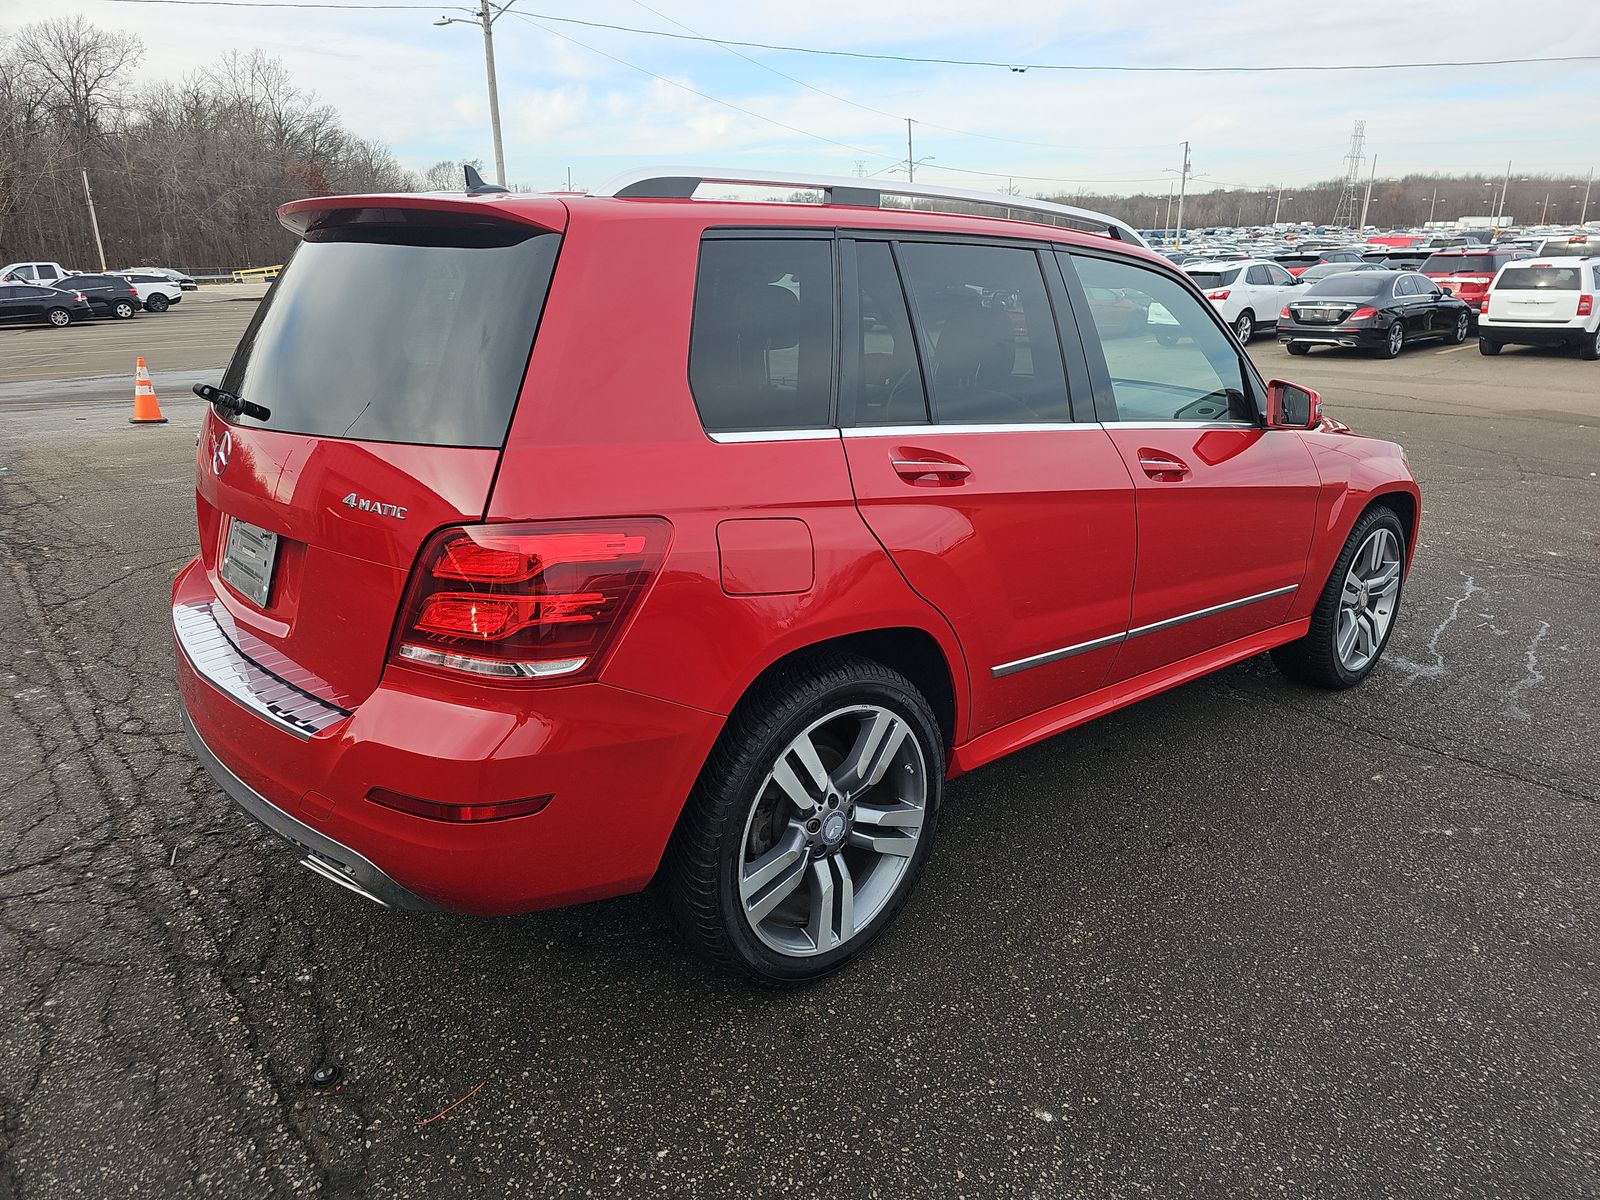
{"x":1447,"y":291}
{"x":1290,"y":406}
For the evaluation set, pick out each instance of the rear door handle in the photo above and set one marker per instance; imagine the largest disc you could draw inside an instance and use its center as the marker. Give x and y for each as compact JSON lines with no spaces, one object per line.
{"x":912,"y":469}
{"x":1162,"y":467}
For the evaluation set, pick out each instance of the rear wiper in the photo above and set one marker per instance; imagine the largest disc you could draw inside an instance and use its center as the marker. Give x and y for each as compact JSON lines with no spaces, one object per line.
{"x":230,"y":405}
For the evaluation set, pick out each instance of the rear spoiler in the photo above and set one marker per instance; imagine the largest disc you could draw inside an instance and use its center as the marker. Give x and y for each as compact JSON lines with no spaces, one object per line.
{"x":545,"y":212}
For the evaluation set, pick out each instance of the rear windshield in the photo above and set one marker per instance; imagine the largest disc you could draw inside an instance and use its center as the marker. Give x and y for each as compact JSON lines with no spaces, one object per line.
{"x":398,"y":326}
{"x":1359,"y":284}
{"x":1211,"y":279}
{"x":1527,"y":279}
{"x":1576,"y":247}
{"x":1451,"y":264}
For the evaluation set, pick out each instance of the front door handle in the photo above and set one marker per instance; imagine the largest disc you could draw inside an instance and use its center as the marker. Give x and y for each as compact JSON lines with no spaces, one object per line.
{"x":914,"y":469}
{"x":1162,"y":467}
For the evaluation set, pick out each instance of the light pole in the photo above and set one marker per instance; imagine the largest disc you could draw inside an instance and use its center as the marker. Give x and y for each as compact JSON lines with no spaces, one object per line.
{"x":1277,"y":206}
{"x":486,"y":18}
{"x":1433,"y":203}
{"x":1183,"y":187}
{"x":1584,"y":216}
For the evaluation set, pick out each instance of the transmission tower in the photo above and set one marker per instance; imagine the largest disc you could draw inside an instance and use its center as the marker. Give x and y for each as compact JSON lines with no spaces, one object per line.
{"x":1344,"y":213}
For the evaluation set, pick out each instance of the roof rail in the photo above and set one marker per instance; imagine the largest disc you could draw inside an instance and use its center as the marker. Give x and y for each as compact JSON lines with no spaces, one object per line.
{"x":680,"y":183}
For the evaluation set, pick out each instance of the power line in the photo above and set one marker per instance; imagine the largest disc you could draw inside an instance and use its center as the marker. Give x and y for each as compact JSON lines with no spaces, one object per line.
{"x":1116,"y":68}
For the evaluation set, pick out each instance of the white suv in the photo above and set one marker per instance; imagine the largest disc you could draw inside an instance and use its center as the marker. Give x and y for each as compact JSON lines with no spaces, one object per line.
{"x":156,"y":292}
{"x":1543,"y":302}
{"x":1245,"y":294}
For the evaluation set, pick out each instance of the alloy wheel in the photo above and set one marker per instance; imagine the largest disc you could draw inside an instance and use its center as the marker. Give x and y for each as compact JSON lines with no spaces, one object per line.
{"x":832,"y":830}
{"x":60,"y":318}
{"x":1245,"y":326}
{"x":1368,"y":601}
{"x":1397,"y":339}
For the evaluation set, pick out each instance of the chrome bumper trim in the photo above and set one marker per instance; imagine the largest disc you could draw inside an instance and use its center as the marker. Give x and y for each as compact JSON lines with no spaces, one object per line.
{"x":266,"y":688}
{"x":326,"y":857}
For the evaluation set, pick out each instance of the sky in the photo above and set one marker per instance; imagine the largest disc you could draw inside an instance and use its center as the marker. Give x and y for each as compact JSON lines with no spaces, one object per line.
{"x":597,"y":101}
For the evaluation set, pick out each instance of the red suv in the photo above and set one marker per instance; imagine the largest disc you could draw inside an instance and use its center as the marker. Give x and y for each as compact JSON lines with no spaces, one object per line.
{"x":550,"y":544}
{"x":1467,"y":271}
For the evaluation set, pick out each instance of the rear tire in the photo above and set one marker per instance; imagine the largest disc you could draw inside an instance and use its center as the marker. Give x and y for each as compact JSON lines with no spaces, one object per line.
{"x":1463,"y":327}
{"x":1165,"y":338}
{"x":1487,"y":348}
{"x":743,"y":836}
{"x":157,"y":304}
{"x":1318,"y":657}
{"x":1589,"y":350}
{"x":1244,"y":327}
{"x":59,"y":317}
{"x":122,"y":310}
{"x":1394,"y":342}
{"x":1298,"y":348}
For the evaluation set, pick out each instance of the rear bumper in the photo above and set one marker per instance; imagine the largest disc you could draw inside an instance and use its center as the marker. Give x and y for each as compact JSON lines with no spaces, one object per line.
{"x":1533,"y":335}
{"x":1331,"y":335}
{"x":617,"y":765}
{"x":323,"y":855}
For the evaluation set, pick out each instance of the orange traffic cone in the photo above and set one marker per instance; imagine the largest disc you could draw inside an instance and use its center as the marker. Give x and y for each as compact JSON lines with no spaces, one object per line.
{"x":146,"y":408}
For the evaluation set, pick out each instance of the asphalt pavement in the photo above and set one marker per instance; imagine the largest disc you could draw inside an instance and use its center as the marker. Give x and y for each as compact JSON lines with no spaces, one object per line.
{"x":1245,"y":939}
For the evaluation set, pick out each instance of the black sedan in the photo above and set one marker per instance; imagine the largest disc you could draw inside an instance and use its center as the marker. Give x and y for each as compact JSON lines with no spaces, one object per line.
{"x":32,"y":304}
{"x":108,"y":295}
{"x":1376,"y":310}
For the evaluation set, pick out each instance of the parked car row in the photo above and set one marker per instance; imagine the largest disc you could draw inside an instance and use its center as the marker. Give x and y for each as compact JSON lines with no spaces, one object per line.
{"x":79,"y":297}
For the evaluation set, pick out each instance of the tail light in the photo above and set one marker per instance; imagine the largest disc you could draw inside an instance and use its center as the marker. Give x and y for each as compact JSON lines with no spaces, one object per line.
{"x":1483,"y":305}
{"x":1286,"y":315}
{"x":1585,"y":305}
{"x":80,"y":298}
{"x":1363,"y":314}
{"x":529,"y":601}
{"x":1222,"y":295}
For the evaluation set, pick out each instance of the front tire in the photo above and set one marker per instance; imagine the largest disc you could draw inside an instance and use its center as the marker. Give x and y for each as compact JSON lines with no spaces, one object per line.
{"x":1355,"y":614}
{"x":810,"y":823}
{"x":1244,"y":328}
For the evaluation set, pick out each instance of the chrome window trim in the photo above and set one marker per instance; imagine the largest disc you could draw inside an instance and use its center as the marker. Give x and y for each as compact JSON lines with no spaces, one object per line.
{"x":270,"y":695}
{"x":1181,"y":425}
{"x":774,"y":435}
{"x":1050,"y":656}
{"x":926,"y":430}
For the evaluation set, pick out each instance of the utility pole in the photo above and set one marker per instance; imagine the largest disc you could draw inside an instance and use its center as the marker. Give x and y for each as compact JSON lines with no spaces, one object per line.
{"x":1277,"y":206}
{"x":911,"y":162}
{"x":1183,"y":188}
{"x":1545,"y":211}
{"x":94,"y":222}
{"x":1583,"y":217}
{"x":1504,"y":188}
{"x":1166,"y":231}
{"x":486,"y":19}
{"x":1432,"y":203}
{"x":1362,"y":227}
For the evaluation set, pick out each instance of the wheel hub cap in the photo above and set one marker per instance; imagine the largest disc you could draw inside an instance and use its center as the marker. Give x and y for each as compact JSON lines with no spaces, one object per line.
{"x":833,"y":829}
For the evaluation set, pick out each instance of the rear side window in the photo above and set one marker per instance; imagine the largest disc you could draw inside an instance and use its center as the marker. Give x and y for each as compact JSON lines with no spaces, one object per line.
{"x":761,"y":348}
{"x":987,"y":333}
{"x":1527,"y":279}
{"x":398,"y":325}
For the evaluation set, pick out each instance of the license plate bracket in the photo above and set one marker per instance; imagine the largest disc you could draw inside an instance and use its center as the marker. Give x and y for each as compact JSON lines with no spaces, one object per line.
{"x":248,"y":556}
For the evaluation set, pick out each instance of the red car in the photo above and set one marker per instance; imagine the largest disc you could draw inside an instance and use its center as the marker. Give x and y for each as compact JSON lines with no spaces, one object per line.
{"x":548,"y":545}
{"x":1467,"y":271}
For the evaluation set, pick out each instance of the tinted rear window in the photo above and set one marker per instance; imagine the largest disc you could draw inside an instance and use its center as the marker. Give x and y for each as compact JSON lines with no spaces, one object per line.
{"x":1462,"y":264}
{"x":398,"y":326}
{"x":1360,"y":284}
{"x":1211,"y":279}
{"x":1527,"y":279}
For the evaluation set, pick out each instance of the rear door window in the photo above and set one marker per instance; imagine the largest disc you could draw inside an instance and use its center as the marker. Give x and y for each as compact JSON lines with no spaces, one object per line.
{"x":987,"y":333}
{"x":761,"y":348}
{"x":398,"y":325}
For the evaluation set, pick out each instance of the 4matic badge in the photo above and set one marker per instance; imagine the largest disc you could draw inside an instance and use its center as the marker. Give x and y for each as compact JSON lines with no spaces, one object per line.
{"x":362,"y":504}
